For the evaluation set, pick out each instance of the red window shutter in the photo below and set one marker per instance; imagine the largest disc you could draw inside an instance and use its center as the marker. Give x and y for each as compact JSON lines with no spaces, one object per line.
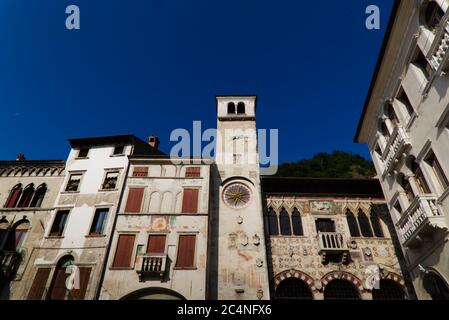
{"x":186,"y":252}
{"x":13,"y":198}
{"x":190,"y":201}
{"x":134,"y":202}
{"x":79,"y":294}
{"x":58,"y":288}
{"x":140,"y":172}
{"x":39,"y":284}
{"x":156,"y":244}
{"x":125,"y":247}
{"x":193,"y":172}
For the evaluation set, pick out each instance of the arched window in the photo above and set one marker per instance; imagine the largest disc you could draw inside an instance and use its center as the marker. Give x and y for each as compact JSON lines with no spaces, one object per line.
{"x":231,"y":108}
{"x":293,"y":288}
{"x":352,"y":223}
{"x":17,"y":236}
{"x":4,"y":224}
{"x":241,"y":108}
{"x":39,"y":196}
{"x":284,"y":220}
{"x":436,"y":287}
{"x":297,"y":223}
{"x":339,"y":289}
{"x":364,"y":224}
{"x":388,"y":290}
{"x":14,"y":196}
{"x":26,"y":197}
{"x":376,"y":224}
{"x":273,"y":222}
{"x":58,"y":289}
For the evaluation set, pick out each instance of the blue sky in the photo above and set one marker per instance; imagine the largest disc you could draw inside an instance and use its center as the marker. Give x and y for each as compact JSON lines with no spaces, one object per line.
{"x":151,"y":66}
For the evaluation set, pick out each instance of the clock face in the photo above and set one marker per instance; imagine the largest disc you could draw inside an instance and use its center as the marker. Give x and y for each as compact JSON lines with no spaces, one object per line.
{"x":237,"y":195}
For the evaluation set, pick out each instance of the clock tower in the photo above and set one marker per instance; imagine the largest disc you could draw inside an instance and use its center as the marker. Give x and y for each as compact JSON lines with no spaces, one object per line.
{"x":242,"y":263}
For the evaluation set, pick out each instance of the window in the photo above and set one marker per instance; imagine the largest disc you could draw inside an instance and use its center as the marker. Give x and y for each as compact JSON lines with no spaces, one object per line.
{"x":438,"y":172}
{"x":110,"y":180}
{"x":39,"y":284}
{"x":57,"y":229}
{"x":325,"y":225}
{"x":297,"y":223}
{"x":124,"y":251}
{"x":273,"y":222}
{"x":74,"y":182}
{"x":431,"y":14}
{"x":190,"y":201}
{"x":134,"y":202}
{"x":376,"y":224}
{"x":241,"y":108}
{"x":83,"y":152}
{"x":99,"y":222}
{"x":403,"y":98}
{"x":231,"y":108}
{"x":156,"y":244}
{"x":140,"y":172}
{"x":293,"y":288}
{"x":420,"y":61}
{"x":421,"y":182}
{"x":119,"y":150}
{"x":19,"y":234}
{"x":193,"y":172}
{"x":405,"y":184}
{"x":388,"y":290}
{"x":391,"y":114}
{"x":39,"y":196}
{"x":339,"y":289}
{"x":26,"y":197}
{"x":284,"y":221}
{"x":365,"y":226}
{"x":14,"y":196}
{"x":186,"y":251}
{"x":383,"y":129}
{"x":352,"y":223}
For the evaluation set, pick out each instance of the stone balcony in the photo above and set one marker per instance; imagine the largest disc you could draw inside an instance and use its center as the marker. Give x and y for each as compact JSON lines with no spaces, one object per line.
{"x":332,"y":245}
{"x":420,"y":221}
{"x":439,"y":50}
{"x":151,"y":265}
{"x":397,"y":145}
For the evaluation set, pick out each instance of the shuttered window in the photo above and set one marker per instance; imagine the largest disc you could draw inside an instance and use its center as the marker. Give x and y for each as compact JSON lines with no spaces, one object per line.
{"x":190,"y":201}
{"x":79,"y":294}
{"x":140,"y":172}
{"x":134,"y":203}
{"x":39,"y":283}
{"x":193,"y":172}
{"x":58,"y":289}
{"x":156,"y":244}
{"x":124,"y":251}
{"x":186,"y":251}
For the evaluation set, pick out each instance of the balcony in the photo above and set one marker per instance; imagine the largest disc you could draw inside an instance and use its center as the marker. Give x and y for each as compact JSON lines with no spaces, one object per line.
{"x":396,"y":146}
{"x":9,"y":262}
{"x":151,"y":265}
{"x":439,"y":51}
{"x":420,"y":221}
{"x":332,"y":246}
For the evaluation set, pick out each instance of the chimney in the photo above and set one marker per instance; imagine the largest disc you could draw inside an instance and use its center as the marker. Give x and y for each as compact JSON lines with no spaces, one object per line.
{"x":153,"y":141}
{"x":20,"y":157}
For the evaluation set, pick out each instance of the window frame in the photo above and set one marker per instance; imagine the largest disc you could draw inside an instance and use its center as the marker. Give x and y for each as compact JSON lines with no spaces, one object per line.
{"x":105,"y":174}
{"x":195,"y":253}
{"x":103,"y":233}
{"x":123,"y":153}
{"x":62,"y":235}
{"x":133,"y":253}
{"x":78,"y":151}
{"x":72,"y":173}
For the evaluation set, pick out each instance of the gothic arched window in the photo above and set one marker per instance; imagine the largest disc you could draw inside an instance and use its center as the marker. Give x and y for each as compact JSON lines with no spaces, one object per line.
{"x":273,"y":223}
{"x":241,"y":108}
{"x":377,"y":226}
{"x":284,"y":220}
{"x":365,"y":226}
{"x":352,"y":223}
{"x":14,"y":196}
{"x":39,"y":196}
{"x":297,"y":223}
{"x":17,"y":236}
{"x":26,"y":197}
{"x":231,"y":108}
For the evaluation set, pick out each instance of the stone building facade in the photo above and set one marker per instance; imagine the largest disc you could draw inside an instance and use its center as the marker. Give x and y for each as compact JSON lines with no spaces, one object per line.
{"x":405,"y":123}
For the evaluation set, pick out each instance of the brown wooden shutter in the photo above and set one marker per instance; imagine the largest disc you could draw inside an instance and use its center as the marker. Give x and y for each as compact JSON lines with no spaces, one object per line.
{"x":186,"y":251}
{"x":135,"y":196}
{"x":58,"y":288}
{"x":193,"y":172}
{"x":140,"y":172}
{"x":79,"y":294}
{"x":123,"y":254}
{"x":156,"y":244}
{"x":190,"y":201}
{"x":39,"y":284}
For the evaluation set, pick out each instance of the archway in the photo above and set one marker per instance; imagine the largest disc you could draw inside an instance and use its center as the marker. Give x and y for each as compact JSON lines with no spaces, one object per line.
{"x":293,"y":288}
{"x":389,"y":290}
{"x":154,"y":294}
{"x":58,"y":290}
{"x":339,"y":289}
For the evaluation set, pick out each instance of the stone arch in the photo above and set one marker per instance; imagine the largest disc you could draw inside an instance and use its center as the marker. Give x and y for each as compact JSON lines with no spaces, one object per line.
{"x":343,"y":276}
{"x":154,"y":293}
{"x":155,"y":202}
{"x":298,"y":275}
{"x":167,"y":202}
